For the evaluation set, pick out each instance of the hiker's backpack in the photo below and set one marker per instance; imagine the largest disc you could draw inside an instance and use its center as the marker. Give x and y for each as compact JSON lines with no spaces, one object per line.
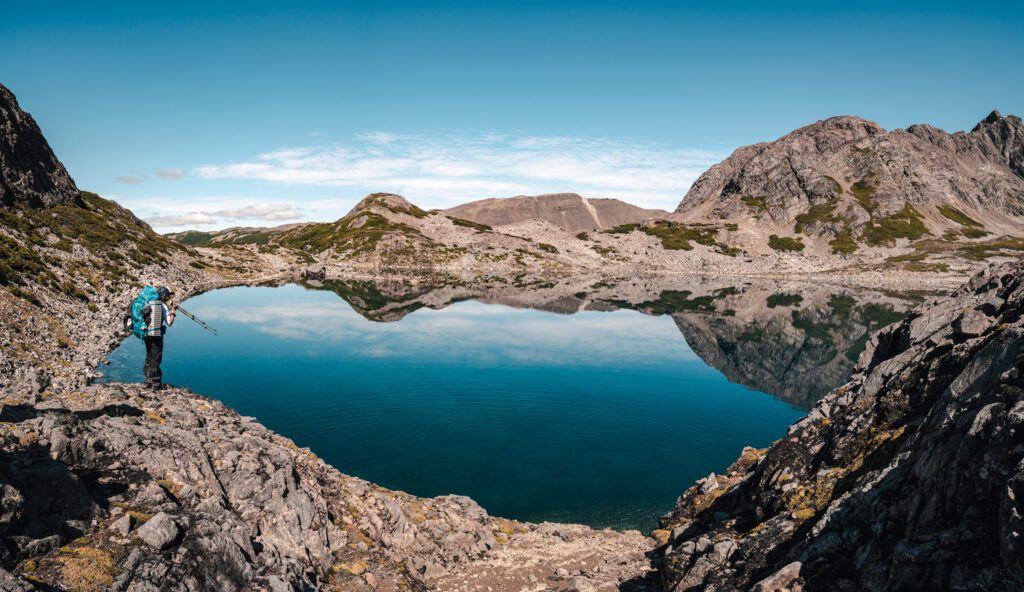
{"x":133,"y":320}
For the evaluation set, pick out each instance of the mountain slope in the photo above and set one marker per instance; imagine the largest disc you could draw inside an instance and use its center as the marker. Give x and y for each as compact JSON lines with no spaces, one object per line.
{"x":29,"y":171}
{"x":845,"y":185}
{"x":909,"y":477}
{"x":569,"y":211}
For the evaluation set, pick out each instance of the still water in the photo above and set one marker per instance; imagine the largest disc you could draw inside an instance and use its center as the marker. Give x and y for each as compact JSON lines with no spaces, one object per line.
{"x":602,"y":416}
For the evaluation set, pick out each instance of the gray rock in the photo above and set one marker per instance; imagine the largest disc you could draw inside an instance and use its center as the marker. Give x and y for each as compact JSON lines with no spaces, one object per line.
{"x":123,"y":525}
{"x":159,"y":532}
{"x":29,"y":171}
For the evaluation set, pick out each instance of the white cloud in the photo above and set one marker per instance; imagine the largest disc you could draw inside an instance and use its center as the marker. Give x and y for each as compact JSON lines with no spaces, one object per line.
{"x":170,"y":174}
{"x":186,"y":219}
{"x":444,"y":171}
{"x":129,"y":180}
{"x":260,"y":212}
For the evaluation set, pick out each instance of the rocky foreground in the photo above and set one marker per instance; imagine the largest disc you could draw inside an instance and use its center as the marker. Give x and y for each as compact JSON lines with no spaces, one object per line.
{"x":910,"y":477}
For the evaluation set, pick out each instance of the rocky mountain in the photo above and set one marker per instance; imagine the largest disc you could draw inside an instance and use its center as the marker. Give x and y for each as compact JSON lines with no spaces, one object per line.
{"x":568,"y":211}
{"x":909,"y":477}
{"x":29,"y":171}
{"x":846,"y":186}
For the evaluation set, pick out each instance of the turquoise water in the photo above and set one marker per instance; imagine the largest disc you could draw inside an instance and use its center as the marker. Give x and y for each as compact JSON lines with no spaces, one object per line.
{"x":602,"y":418}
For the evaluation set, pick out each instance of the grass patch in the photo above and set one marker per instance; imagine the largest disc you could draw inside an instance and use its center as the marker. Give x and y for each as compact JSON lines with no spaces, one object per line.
{"x":756,"y":205}
{"x":676,"y":237}
{"x":822,"y":213}
{"x":843,"y":243}
{"x":959,"y":217}
{"x":864,"y":192}
{"x":784,"y":299}
{"x":906,"y":223}
{"x":470,"y":224}
{"x":623,"y":228}
{"x":785,"y":243}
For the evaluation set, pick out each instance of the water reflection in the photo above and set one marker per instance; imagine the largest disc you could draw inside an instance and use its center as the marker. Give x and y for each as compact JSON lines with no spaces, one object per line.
{"x":794,"y":340}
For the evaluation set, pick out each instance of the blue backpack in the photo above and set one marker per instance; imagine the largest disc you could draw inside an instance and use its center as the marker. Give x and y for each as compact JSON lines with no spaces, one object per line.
{"x":133,"y":318}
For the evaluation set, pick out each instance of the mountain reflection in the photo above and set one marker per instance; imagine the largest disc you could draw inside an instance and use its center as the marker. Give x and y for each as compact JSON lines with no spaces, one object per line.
{"x":794,"y":340}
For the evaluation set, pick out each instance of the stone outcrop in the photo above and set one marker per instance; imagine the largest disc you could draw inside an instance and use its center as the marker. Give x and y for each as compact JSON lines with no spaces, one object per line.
{"x":29,"y":171}
{"x":909,"y":477}
{"x":569,"y":211}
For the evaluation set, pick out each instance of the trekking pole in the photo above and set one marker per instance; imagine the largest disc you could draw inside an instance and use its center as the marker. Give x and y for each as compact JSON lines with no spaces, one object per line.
{"x":193,"y":317}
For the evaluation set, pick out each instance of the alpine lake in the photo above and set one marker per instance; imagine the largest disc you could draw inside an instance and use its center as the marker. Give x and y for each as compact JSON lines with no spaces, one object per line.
{"x":591,"y":400}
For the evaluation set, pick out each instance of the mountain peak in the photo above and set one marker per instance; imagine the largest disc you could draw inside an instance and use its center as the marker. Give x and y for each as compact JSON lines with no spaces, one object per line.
{"x":29,"y":171}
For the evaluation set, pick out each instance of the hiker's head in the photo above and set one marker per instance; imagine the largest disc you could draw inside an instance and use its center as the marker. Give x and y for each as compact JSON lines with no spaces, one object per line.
{"x":164,"y":293}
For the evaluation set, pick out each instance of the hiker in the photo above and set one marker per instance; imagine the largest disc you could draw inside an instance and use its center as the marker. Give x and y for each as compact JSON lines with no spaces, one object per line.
{"x":148,"y":317}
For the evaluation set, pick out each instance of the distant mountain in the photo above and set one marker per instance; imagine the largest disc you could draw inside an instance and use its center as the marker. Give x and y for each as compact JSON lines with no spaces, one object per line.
{"x":851,"y":184}
{"x":236,"y":235}
{"x":569,"y":211}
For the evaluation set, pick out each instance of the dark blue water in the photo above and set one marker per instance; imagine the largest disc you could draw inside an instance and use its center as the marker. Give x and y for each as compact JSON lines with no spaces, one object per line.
{"x":601,"y":418}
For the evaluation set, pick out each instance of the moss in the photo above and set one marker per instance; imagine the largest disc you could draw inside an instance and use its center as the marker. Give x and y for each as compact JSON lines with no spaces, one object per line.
{"x":470,"y":224}
{"x":785,"y":243}
{"x":86,"y":569}
{"x":784,"y":299}
{"x":906,"y":223}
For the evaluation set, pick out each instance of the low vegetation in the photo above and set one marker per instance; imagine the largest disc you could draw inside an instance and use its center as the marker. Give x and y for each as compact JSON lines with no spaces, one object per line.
{"x":906,"y":223}
{"x":785,"y":243}
{"x":820,"y":213}
{"x":470,"y":224}
{"x":784,"y":299}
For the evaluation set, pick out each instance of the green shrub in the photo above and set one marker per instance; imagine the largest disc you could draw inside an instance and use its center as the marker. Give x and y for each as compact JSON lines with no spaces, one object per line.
{"x":784,"y":299}
{"x":843,"y":243}
{"x":906,"y":223}
{"x":470,"y":224}
{"x":785,"y":243}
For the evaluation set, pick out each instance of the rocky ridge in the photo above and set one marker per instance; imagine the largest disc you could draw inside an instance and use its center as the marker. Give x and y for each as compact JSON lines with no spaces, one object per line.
{"x":846,"y":187}
{"x":569,"y":211}
{"x":907,"y":478}
{"x":29,"y":171}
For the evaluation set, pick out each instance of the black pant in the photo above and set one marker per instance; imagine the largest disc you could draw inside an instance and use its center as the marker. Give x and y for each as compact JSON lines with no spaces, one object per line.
{"x":154,"y":355}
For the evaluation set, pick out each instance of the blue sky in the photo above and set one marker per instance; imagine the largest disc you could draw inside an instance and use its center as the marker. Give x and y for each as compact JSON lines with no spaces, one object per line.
{"x":262,"y":113}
